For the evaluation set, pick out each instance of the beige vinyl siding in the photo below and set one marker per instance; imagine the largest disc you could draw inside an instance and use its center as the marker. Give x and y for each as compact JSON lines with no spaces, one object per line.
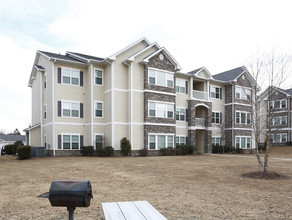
{"x":72,"y":93}
{"x":181,"y":100}
{"x":107,"y":77}
{"x":107,"y":135}
{"x":121,"y":106}
{"x":48,"y":131}
{"x":100,"y":129}
{"x":36,"y":100}
{"x":120,"y":132}
{"x":107,"y":107}
{"x":218,"y":105}
{"x":138,"y":137}
{"x":138,"y":107}
{"x":35,"y":135}
{"x":182,"y":131}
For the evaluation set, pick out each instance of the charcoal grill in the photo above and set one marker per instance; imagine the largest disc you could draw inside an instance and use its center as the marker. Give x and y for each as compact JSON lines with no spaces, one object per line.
{"x":69,"y":193}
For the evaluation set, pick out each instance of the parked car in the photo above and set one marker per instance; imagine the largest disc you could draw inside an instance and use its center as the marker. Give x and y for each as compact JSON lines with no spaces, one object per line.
{"x":3,"y":150}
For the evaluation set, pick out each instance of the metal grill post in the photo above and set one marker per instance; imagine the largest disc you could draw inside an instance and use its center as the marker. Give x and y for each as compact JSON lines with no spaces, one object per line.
{"x":71,"y":212}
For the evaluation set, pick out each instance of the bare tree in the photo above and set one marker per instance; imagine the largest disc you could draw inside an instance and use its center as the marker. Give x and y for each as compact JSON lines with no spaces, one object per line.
{"x":269,"y":71}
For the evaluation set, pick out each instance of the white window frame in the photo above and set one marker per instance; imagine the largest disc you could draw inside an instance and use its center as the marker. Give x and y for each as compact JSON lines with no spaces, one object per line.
{"x":166,"y":106}
{"x":102,"y":78}
{"x":167,"y":74}
{"x":45,"y":141}
{"x":179,"y":85}
{"x":280,"y":138}
{"x":71,"y":102}
{"x":216,"y":138}
{"x":240,"y":113}
{"x":216,"y":112}
{"x":179,"y":113}
{"x":95,"y":102}
{"x":213,"y":92}
{"x":180,"y":142}
{"x":98,"y":134}
{"x":281,"y":120}
{"x":156,"y":139}
{"x":243,"y":93}
{"x":246,"y":142}
{"x":45,"y":81}
{"x":70,"y":69}
{"x":272,"y":104}
{"x":70,"y":134}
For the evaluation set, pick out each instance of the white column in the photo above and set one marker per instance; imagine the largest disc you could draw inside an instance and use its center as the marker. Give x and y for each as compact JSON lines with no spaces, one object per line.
{"x":91,"y":103}
{"x":113,"y":103}
{"x":41,"y":105}
{"x":53,"y":108}
{"x":131,"y":101}
{"x":208,"y":92}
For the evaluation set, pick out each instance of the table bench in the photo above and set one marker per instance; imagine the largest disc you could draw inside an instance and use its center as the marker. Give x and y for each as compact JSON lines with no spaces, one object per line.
{"x":136,"y":210}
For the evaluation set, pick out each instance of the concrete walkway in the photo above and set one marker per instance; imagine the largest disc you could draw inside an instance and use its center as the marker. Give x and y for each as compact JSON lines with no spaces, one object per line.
{"x":254,"y":157}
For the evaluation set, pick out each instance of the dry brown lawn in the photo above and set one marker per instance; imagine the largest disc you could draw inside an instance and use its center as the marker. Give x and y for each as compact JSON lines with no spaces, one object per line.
{"x":180,"y":187}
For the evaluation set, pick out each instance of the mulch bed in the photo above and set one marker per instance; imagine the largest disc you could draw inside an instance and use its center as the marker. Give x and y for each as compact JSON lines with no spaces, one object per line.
{"x":269,"y":175}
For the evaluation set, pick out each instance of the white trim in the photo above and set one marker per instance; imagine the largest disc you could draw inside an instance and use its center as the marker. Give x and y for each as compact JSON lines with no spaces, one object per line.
{"x":243,"y":136}
{"x":202,"y":104}
{"x":94,"y":141}
{"x":41,"y":106}
{"x":165,"y":72}
{"x":131,"y":103}
{"x":69,"y":68}
{"x":160,"y":124}
{"x":91,"y":101}
{"x":281,"y":129}
{"x":240,"y":129}
{"x":113,"y":57}
{"x":137,"y":90}
{"x":71,"y":102}
{"x":102,"y":76}
{"x":131,"y":58}
{"x":53,"y":108}
{"x":237,"y":103}
{"x":180,"y":136}
{"x":166,"y":104}
{"x":200,"y":128}
{"x":156,"y":139}
{"x":158,"y":92}
{"x":161,"y":70}
{"x":70,"y":134}
{"x":113,"y":103}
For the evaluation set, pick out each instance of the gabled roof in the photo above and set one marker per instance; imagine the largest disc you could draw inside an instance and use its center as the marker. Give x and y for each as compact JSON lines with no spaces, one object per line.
{"x":273,"y":90}
{"x":289,"y":91}
{"x":167,"y":54}
{"x":230,"y":75}
{"x":131,"y":58}
{"x":197,"y":71}
{"x":50,"y":55}
{"x":113,"y":57}
{"x":84,"y":57}
{"x":12,"y":137}
{"x":39,"y":68}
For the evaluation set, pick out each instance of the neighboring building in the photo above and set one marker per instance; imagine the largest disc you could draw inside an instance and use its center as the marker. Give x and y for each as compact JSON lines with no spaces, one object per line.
{"x":6,"y":139}
{"x":140,"y":94}
{"x":275,"y":109}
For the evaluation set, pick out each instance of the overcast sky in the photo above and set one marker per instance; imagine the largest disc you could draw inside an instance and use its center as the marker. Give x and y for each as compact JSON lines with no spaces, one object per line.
{"x":219,"y":35}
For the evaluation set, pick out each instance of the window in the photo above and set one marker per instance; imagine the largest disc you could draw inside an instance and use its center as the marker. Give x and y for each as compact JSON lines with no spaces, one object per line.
{"x":278,"y":104}
{"x":160,"y":110}
{"x":181,"y":140}
{"x":279,"y":138}
{"x":70,"y":76}
{"x":98,"y":75}
{"x":215,"y":92}
{"x":243,"y":142}
{"x":216,"y":141}
{"x":45,"y":111}
{"x":70,"y":109}
{"x":160,"y":78}
{"x":45,"y":137}
{"x":159,"y":141}
{"x":243,"y":118}
{"x":98,"y":141}
{"x":98,"y":109}
{"x":70,"y":141}
{"x":216,"y":117}
{"x":281,"y":120}
{"x":45,"y":81}
{"x":180,"y":114}
{"x":180,"y":86}
{"x":242,"y":93}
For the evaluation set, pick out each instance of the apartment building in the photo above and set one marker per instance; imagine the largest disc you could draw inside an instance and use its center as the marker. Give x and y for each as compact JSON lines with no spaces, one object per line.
{"x":139,"y":93}
{"x":275,"y":110}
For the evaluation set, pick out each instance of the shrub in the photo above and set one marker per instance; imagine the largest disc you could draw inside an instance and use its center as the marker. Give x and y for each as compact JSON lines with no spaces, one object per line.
{"x":105,"y":152}
{"x":289,"y":143}
{"x":24,"y":152}
{"x":87,"y":150}
{"x":143,"y":152}
{"x":219,"y":149}
{"x":16,"y":145}
{"x":168,"y":151}
{"x":185,"y":149}
{"x":125,"y":147}
{"x":8,"y":149}
{"x":178,"y":151}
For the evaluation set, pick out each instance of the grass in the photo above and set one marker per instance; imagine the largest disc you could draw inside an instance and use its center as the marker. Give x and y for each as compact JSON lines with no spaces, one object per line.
{"x":180,"y":187}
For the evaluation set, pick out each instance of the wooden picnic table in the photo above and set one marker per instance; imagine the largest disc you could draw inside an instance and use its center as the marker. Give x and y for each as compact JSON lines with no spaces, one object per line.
{"x":135,"y":210}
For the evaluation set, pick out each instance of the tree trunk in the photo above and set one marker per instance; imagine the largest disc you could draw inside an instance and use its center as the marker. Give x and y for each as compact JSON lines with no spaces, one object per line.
{"x":267,"y":157}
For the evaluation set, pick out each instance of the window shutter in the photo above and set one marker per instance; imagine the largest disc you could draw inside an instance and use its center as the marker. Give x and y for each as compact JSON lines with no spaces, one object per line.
{"x":187,"y":114}
{"x":186,"y":87}
{"x":220,"y":117}
{"x":59,"y":75}
{"x":59,"y":108}
{"x":187,"y":141}
{"x":59,"y":141}
{"x":220,"y":93}
{"x":81,"y":141}
{"x":81,"y":110}
{"x":81,"y":78}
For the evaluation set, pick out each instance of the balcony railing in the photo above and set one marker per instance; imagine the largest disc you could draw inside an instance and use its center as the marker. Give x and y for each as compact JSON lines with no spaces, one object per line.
{"x":200,"y":95}
{"x":200,"y":122}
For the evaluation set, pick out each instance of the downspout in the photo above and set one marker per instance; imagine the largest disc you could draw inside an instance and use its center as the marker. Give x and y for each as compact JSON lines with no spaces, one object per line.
{"x":53,"y":105}
{"x":113,"y":103}
{"x":91,"y":104}
{"x":41,"y":106}
{"x":232,"y":121}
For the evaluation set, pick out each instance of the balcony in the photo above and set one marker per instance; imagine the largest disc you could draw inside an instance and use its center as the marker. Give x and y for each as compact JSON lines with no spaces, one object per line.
{"x":200,"y":95}
{"x":200,"y":122}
